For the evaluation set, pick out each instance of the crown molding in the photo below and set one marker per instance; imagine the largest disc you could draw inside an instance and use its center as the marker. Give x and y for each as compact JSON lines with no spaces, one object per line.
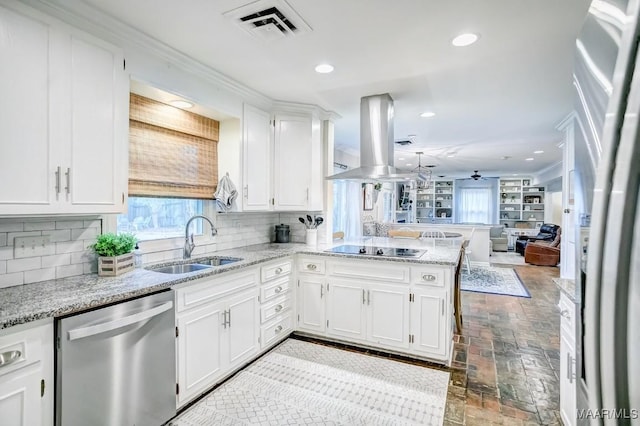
{"x":87,"y":18}
{"x":295,"y":107}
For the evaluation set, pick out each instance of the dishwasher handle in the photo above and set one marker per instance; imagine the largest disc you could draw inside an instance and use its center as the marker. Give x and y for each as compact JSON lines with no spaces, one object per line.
{"x":92,"y":330}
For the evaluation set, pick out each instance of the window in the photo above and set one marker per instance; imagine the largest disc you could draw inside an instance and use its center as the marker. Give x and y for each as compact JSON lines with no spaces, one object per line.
{"x":173,"y":169}
{"x":159,"y":218}
{"x":475,"y":205}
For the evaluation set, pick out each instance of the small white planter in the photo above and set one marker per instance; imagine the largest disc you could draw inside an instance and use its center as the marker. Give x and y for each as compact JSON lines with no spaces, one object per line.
{"x":115,"y":265}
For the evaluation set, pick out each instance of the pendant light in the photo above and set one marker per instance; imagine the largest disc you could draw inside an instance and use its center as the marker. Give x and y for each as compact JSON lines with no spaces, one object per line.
{"x":423,"y":173}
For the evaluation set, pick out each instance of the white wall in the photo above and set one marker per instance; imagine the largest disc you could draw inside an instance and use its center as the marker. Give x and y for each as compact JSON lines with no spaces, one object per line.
{"x":553,"y":208}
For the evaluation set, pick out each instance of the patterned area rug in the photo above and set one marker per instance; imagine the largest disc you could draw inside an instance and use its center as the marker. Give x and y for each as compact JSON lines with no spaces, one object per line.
{"x":489,"y":279}
{"x":305,"y":383}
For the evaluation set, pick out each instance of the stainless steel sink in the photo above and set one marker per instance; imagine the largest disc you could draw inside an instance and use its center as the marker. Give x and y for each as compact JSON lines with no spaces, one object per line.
{"x":181,"y":269}
{"x":219,"y":260}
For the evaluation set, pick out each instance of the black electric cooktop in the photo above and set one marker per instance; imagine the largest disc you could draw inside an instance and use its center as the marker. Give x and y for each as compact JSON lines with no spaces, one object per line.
{"x":377,"y":251}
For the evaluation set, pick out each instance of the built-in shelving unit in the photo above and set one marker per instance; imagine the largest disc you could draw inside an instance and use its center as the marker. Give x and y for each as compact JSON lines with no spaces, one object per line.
{"x":521,"y":204}
{"x":435,"y":203}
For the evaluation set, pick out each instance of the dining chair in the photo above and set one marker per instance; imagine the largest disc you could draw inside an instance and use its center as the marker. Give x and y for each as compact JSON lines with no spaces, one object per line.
{"x":338,"y":235}
{"x":467,"y":250}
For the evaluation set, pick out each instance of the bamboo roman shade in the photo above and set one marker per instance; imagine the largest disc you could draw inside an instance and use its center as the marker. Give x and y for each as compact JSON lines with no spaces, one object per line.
{"x":172,"y":152}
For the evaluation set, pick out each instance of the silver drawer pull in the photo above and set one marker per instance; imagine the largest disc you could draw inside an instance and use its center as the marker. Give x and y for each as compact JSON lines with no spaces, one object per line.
{"x":7,"y":358}
{"x":278,"y":308}
{"x":278,"y":329}
{"x":277,"y":289}
{"x":278,"y":271}
{"x":428,"y":277}
{"x":564,"y":313}
{"x":312,"y":266}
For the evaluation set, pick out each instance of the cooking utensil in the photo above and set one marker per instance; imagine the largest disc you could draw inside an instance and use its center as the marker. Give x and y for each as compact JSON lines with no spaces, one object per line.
{"x":310,"y":221}
{"x":303,"y":222}
{"x":318,"y":221}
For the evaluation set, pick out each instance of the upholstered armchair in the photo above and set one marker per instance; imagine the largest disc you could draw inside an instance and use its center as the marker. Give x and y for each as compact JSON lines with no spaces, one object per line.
{"x":548,"y":232}
{"x":498,"y":238}
{"x":542,"y":253}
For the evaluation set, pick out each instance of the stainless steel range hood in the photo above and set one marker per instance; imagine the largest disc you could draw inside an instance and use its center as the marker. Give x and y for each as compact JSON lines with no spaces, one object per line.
{"x":376,"y":144}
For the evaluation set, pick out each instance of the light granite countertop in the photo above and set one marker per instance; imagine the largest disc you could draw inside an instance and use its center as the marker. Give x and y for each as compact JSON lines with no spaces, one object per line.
{"x":61,"y":297}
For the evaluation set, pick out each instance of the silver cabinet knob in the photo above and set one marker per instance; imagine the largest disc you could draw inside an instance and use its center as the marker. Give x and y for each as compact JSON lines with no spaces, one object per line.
{"x":278,"y":271}
{"x":565,"y":314}
{"x":312,"y":267}
{"x":278,"y":308}
{"x":277,"y":289}
{"x":428,"y":277}
{"x":278,"y":329}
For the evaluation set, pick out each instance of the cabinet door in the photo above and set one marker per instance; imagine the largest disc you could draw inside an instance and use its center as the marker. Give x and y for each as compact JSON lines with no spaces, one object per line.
{"x":26,"y":166}
{"x":292,"y":157}
{"x":346,"y":304}
{"x":20,"y":403}
{"x":429,"y":322}
{"x":199,"y":351}
{"x":388,"y":316}
{"x":256,"y":159}
{"x":243,"y":326}
{"x":311,"y":307}
{"x":567,"y":380}
{"x":94,"y":179}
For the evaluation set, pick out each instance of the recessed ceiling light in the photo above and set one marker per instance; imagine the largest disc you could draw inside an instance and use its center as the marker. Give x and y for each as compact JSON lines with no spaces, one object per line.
{"x":409,"y":164}
{"x":451,"y":155}
{"x":178,"y":103}
{"x":427,"y":114}
{"x":324,"y":68}
{"x":401,"y":159}
{"x":515,"y":174}
{"x":529,"y":159}
{"x":464,"y":39}
{"x":538,"y":151}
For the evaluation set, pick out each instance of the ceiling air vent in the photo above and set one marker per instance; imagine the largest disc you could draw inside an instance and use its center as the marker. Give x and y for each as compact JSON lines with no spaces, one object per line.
{"x":269,"y":19}
{"x":404,"y":142}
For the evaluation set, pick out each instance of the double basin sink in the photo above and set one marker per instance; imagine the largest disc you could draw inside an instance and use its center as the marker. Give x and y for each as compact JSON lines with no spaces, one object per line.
{"x":202,"y":264}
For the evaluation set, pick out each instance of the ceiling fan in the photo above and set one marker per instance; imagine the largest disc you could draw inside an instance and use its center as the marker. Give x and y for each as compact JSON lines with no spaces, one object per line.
{"x":475,"y":175}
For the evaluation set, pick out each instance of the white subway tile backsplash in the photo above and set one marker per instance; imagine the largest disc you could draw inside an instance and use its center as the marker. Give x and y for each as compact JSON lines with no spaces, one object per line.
{"x":39,"y":226}
{"x":70,"y":246}
{"x":3,"y":266}
{"x":58,"y":235}
{"x":84,"y":233}
{"x":90,"y":268}
{"x":12,"y":235}
{"x":83,"y":257}
{"x":56,"y":260}
{"x":11,"y":226}
{"x":26,"y":264}
{"x":9,"y":280}
{"x":69,"y":224}
{"x":39,"y":275}
{"x":6,"y":253}
{"x":69,"y":270}
{"x":3,"y":239}
{"x":94,"y":223}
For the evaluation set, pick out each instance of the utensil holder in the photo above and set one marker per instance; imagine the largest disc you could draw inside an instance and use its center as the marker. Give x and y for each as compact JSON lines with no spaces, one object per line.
{"x":311,"y":237}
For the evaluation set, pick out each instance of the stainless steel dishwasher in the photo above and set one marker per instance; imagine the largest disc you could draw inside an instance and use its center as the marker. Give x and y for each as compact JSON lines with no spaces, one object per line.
{"x":116,"y":365}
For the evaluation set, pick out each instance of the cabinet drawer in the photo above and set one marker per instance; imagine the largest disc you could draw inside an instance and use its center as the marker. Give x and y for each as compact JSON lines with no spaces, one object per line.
{"x":275,"y":331}
{"x":389,"y":272}
{"x":310,"y":265}
{"x":27,"y":345}
{"x":210,"y":289}
{"x":275,"y":289}
{"x":567,"y":313}
{"x":275,"y":308}
{"x":430,"y":276}
{"x":275,"y":270}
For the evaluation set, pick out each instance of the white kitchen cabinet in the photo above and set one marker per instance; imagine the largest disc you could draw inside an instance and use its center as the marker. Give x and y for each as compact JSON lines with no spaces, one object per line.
{"x":292,"y":159}
{"x":277,"y":302}
{"x":26,"y":384}
{"x":276,"y":156}
{"x":430,"y":329}
{"x":388,"y":315}
{"x":217,"y":330}
{"x":256,"y":159}
{"x":346,"y":306}
{"x":567,"y":361}
{"x":63,"y":119}
{"x":311,"y":303}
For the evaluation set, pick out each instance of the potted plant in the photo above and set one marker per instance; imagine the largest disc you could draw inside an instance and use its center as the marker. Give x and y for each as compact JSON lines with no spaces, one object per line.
{"x":115,"y":253}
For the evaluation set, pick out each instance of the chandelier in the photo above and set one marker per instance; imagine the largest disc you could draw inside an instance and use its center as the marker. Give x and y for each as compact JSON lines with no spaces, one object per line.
{"x":423,"y":173}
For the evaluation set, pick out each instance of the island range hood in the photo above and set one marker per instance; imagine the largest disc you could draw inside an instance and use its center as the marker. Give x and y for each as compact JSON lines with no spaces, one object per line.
{"x":376,"y":144}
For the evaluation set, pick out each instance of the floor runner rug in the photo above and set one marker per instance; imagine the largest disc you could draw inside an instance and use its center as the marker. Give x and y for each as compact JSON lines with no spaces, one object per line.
{"x":490,"y":279}
{"x":306,"y":383}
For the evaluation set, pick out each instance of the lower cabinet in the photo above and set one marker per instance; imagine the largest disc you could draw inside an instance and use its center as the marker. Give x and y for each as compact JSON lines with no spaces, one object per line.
{"x":26,"y":376}
{"x":218,"y":334}
{"x":381,"y":304}
{"x":567,"y":361}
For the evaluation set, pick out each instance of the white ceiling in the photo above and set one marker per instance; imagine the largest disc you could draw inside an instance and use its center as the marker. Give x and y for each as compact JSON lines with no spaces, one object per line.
{"x":502,"y":96}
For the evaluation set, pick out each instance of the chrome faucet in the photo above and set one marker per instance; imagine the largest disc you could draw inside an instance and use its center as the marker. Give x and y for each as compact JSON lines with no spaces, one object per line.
{"x":189,"y":245}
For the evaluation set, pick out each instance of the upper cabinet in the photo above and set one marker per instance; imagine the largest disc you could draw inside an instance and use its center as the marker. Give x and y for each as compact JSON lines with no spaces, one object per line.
{"x":277,"y":157}
{"x":63,"y":119}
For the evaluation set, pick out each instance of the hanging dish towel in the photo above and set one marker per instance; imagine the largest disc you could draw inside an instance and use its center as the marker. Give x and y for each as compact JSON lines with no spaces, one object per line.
{"x":225,"y":194}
